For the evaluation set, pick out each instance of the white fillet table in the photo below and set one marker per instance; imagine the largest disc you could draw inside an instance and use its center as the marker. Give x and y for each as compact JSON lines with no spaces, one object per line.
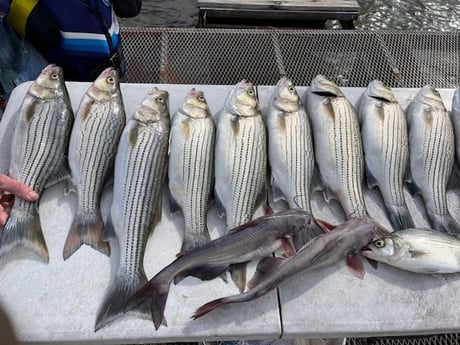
{"x":58,"y":302}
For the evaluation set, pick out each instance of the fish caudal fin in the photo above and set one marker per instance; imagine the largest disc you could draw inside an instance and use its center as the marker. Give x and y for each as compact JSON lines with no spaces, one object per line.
{"x":446,"y":224}
{"x":400,"y":218}
{"x":117,"y":295}
{"x":24,"y":231}
{"x":158,"y":293}
{"x":86,"y":230}
{"x":210,"y":306}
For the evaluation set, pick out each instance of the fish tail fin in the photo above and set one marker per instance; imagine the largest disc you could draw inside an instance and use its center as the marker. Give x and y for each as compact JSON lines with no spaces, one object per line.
{"x":193,"y":239}
{"x":24,"y":231}
{"x":117,"y":295}
{"x":400,"y":218}
{"x":446,"y":224}
{"x":86,"y":230}
{"x":159,"y":293}
{"x":210,"y":306}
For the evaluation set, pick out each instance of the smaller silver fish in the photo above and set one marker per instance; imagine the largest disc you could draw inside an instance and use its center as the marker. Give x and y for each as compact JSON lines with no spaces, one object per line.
{"x":345,"y":241}
{"x":258,"y":238}
{"x":417,"y":250}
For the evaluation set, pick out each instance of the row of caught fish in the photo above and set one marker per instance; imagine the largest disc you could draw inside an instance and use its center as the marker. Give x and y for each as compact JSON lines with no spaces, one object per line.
{"x":49,"y":143}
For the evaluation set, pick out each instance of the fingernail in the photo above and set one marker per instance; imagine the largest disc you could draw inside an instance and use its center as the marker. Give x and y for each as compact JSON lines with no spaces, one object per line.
{"x":33,"y":194}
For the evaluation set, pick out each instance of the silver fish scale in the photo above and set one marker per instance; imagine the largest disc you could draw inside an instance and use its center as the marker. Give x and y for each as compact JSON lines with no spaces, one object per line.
{"x":197,"y":171}
{"x":394,"y":146}
{"x":97,"y":149}
{"x":247,"y":161}
{"x":296,"y":156}
{"x":348,"y":156}
{"x":38,"y":148}
{"x":438,"y":152}
{"x":143,"y":175}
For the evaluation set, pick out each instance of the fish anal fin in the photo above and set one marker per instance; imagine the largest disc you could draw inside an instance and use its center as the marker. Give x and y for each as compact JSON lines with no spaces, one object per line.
{"x":265,"y":267}
{"x":109,"y":230}
{"x":277,"y":193}
{"x":325,"y":226}
{"x":238,"y":274}
{"x":206,"y":308}
{"x":173,"y":205}
{"x":219,"y":204}
{"x":355,"y":265}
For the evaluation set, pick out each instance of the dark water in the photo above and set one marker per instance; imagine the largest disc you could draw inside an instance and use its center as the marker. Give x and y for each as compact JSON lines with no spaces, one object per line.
{"x":434,"y":15}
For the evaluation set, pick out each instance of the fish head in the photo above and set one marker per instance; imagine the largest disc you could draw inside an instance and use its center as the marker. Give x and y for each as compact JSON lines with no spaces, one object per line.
{"x":106,"y":86}
{"x":285,"y":97}
{"x":383,"y":249}
{"x":154,"y":107}
{"x":381,"y":92}
{"x":355,"y":234}
{"x":430,"y":98}
{"x":297,"y":220}
{"x":456,"y":103}
{"x":242,"y":101}
{"x":195,"y":105}
{"x":322,"y":86}
{"x":50,"y":83}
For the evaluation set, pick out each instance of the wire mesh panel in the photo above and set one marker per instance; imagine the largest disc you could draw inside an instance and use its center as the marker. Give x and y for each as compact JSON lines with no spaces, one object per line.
{"x":439,"y":339}
{"x":350,"y":58}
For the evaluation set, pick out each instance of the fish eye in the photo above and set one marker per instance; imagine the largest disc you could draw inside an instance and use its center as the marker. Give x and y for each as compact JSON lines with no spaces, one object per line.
{"x":160,"y":99}
{"x":379,"y":243}
{"x":201,"y":98}
{"x":111,"y":80}
{"x":54,"y":76}
{"x":251,"y":92}
{"x":291,"y":88}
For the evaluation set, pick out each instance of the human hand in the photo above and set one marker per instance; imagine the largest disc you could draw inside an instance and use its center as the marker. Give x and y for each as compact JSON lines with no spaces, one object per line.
{"x":9,"y":188}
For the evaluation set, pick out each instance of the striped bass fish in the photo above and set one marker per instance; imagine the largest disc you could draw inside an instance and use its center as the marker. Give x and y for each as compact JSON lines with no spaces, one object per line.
{"x":140,"y":171}
{"x":240,"y":161}
{"x":191,"y":167}
{"x":417,"y":250}
{"x":386,"y":149}
{"x":344,"y":242}
{"x":432,"y":153}
{"x":455,"y":116}
{"x":240,"y":155}
{"x":38,"y":156}
{"x":93,"y":144}
{"x":290,"y":147}
{"x":338,"y":148}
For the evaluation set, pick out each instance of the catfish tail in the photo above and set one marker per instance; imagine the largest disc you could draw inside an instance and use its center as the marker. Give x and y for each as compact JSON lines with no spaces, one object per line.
{"x":24,"y":230}
{"x":117,"y":295}
{"x":86,"y":230}
{"x":210,"y":306}
{"x":159,"y":294}
{"x":400,"y":218}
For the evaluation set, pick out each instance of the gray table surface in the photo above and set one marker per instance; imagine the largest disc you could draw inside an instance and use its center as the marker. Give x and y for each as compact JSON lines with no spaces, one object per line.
{"x":58,"y":302}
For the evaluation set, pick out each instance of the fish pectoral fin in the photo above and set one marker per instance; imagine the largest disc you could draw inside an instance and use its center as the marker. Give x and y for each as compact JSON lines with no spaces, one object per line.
{"x":288,"y":248}
{"x":265,"y":267}
{"x":173,"y":205}
{"x":219,"y":204}
{"x":416,"y":253}
{"x":371,"y":180}
{"x":355,"y":265}
{"x":373,"y":263}
{"x":325,"y":226}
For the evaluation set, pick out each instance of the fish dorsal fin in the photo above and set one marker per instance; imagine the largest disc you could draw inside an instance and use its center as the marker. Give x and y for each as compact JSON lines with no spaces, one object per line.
{"x":265,"y":267}
{"x":355,"y":265}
